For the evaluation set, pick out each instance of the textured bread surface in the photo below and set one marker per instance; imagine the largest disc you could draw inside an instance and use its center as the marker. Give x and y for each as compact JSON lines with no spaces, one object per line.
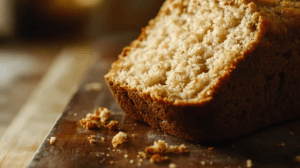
{"x":209,"y":70}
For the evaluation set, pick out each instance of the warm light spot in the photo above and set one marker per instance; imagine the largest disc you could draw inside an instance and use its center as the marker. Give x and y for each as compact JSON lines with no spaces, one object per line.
{"x":88,"y":3}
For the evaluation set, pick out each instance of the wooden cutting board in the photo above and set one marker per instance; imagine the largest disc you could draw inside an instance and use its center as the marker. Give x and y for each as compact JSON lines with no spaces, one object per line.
{"x":72,"y":148}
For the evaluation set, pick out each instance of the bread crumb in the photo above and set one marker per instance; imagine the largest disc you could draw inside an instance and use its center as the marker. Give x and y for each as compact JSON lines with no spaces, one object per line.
{"x":211,"y":148}
{"x":101,"y":161}
{"x":133,"y":135}
{"x":161,"y":146}
{"x":75,"y":114}
{"x":281,"y":144}
{"x":297,"y":159}
{"x":158,"y":158}
{"x":139,"y":164}
{"x":143,"y":155}
{"x":107,"y":155}
{"x":103,"y":139}
{"x":111,"y":162}
{"x":91,"y":139}
{"x":249,"y":163}
{"x":97,"y":119}
{"x":125,"y":156}
{"x":52,"y":140}
{"x":172,"y":165}
{"x":120,"y":138}
{"x":141,"y":160}
{"x":131,"y":161}
{"x":138,"y":156}
{"x":112,"y":125}
{"x":210,"y":162}
{"x":203,"y":163}
{"x":93,"y":86}
{"x":291,"y":133}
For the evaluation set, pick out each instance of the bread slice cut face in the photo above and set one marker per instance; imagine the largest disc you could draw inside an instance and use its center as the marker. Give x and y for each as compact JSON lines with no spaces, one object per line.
{"x":202,"y":66}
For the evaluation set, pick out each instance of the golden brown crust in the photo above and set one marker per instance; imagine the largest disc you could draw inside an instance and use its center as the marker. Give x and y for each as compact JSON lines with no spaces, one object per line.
{"x":259,"y":89}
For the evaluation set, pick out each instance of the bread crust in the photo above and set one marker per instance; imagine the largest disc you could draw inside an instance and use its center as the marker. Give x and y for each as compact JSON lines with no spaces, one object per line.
{"x":259,"y":89}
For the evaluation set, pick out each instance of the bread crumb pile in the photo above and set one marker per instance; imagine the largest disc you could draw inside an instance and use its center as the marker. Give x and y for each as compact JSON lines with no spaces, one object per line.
{"x":186,"y":48}
{"x":161,"y":146}
{"x":96,"y":120}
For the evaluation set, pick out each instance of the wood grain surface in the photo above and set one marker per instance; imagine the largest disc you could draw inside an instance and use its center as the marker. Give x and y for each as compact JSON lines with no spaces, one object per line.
{"x":22,"y":67}
{"x":73,"y":149}
{"x":26,"y":132}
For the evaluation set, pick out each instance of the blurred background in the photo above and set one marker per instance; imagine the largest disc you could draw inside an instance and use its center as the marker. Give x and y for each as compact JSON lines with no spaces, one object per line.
{"x":33,"y":32}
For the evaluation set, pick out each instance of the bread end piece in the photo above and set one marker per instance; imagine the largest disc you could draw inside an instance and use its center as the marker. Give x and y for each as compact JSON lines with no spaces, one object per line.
{"x":260,"y":88}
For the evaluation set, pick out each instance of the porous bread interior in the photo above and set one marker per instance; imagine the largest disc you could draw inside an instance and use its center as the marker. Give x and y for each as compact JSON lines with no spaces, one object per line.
{"x":187,"y":48}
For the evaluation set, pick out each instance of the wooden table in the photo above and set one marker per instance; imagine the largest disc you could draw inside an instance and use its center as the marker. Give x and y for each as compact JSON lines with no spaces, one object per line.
{"x":28,"y":129}
{"x":22,"y":67}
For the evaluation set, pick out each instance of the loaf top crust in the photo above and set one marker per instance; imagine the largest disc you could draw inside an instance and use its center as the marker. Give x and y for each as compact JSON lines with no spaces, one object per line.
{"x":190,"y":49}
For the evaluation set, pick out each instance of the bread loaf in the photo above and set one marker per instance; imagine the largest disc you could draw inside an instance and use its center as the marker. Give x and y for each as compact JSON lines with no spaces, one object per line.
{"x":211,"y":70}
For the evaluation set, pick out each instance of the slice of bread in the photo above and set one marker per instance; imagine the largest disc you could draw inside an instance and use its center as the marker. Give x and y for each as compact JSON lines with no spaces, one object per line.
{"x":211,"y":70}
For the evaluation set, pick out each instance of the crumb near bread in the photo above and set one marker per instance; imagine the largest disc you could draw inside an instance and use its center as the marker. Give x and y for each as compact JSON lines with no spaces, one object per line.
{"x":97,"y":119}
{"x":161,"y":146}
{"x":281,"y":144}
{"x":91,"y":139}
{"x":118,"y":139}
{"x":211,"y":148}
{"x":112,"y":125}
{"x":158,"y":158}
{"x":52,"y":140}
